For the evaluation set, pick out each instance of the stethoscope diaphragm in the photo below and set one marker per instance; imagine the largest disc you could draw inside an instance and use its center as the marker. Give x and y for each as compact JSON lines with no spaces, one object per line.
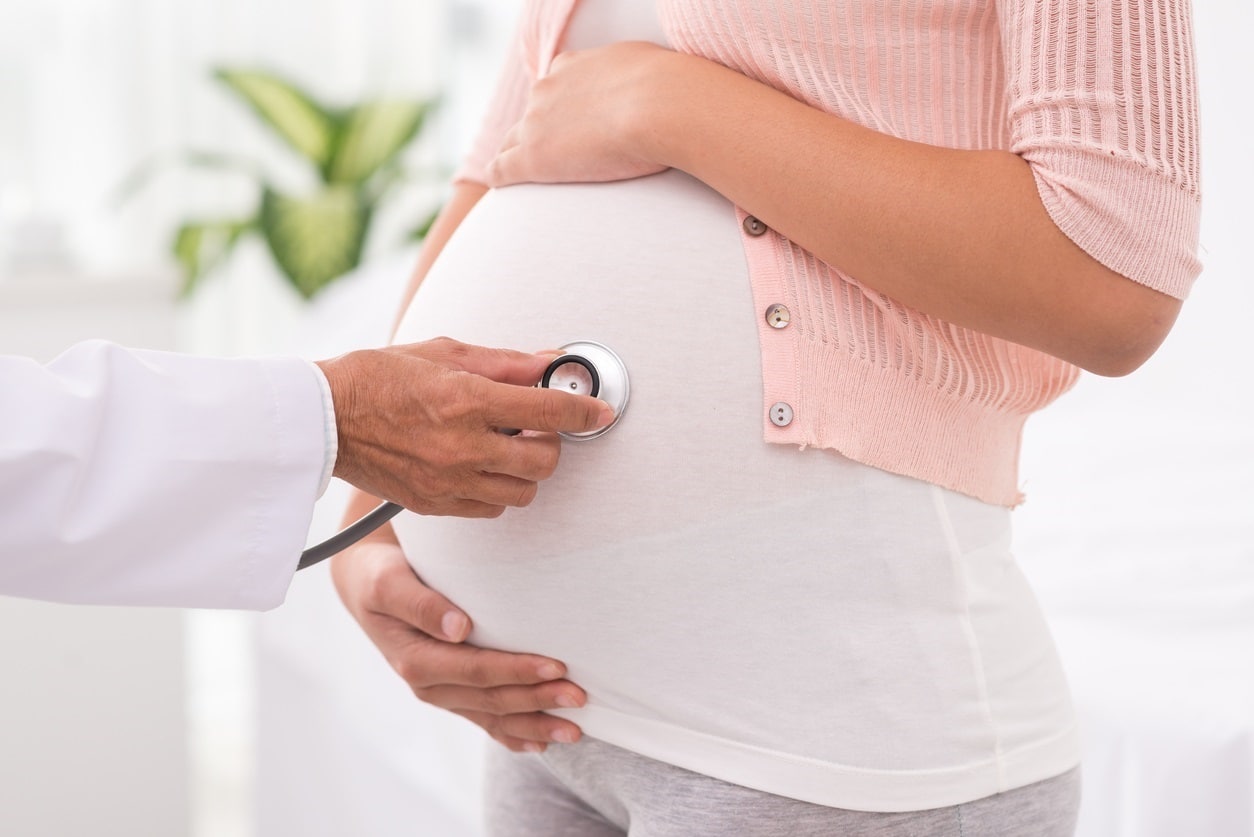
{"x":589,"y":368}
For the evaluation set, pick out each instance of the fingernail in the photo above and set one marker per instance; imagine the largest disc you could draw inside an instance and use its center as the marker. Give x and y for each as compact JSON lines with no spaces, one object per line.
{"x":566,"y":701}
{"x":549,"y":671}
{"x":564,"y":736}
{"x":454,"y":626}
{"x":533,"y":747}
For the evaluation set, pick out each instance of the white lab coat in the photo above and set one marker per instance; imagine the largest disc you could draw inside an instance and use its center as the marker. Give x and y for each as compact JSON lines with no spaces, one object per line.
{"x":136,"y":477}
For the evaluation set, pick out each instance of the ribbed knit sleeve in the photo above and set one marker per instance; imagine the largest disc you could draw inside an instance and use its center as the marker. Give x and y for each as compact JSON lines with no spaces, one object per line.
{"x":1103,"y":105}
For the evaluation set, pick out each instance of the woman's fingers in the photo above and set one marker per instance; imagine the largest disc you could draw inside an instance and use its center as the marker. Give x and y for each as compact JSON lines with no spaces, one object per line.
{"x":507,"y":700}
{"x":506,"y":168}
{"x":505,"y":693}
{"x":418,"y":629}
{"x":395,"y":591}
{"x":503,"y":169}
{"x":425,"y":663}
{"x":525,"y":733}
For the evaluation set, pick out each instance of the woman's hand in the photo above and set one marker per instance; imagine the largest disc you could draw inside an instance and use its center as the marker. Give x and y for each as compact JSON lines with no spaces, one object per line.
{"x":420,"y":634}
{"x":583,"y":118}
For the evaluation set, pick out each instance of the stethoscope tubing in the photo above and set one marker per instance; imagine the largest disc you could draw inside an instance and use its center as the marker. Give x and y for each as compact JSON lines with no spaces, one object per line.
{"x":349,"y":535}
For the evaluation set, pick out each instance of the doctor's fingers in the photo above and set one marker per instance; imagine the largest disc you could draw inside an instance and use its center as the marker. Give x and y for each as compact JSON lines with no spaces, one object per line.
{"x":504,"y":365}
{"x":530,"y":457}
{"x":530,"y":408}
{"x":469,"y":494}
{"x":476,"y":494}
{"x":525,"y":733}
{"x":447,"y":507}
{"x":501,"y":490}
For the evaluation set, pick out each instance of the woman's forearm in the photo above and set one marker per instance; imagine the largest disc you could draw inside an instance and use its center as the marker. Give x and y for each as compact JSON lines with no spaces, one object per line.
{"x":960,"y":235}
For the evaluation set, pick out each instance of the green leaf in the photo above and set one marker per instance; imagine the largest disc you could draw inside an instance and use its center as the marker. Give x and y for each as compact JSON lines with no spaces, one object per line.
{"x":200,"y":246}
{"x":315,"y":240}
{"x":373,"y":135}
{"x":288,"y":110}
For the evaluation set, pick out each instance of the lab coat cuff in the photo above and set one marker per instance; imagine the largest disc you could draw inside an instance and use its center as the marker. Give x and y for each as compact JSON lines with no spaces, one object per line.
{"x":331,"y":438}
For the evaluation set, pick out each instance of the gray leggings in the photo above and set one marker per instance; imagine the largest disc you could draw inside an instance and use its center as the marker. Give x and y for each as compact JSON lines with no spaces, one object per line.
{"x":593,"y":789}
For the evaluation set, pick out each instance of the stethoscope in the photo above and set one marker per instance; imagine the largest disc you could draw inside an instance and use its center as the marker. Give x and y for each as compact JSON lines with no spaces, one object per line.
{"x":584,"y":368}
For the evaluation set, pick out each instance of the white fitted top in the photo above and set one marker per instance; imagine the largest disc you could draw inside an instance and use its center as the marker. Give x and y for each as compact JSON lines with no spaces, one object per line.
{"x":784,"y":619}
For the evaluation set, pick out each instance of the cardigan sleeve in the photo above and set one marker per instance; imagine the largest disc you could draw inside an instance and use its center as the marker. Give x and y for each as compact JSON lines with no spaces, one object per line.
{"x":1102,"y":104}
{"x":507,"y":106}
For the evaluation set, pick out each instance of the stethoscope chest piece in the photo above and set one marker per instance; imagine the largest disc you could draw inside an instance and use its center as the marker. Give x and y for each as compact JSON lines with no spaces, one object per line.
{"x":588,"y":368}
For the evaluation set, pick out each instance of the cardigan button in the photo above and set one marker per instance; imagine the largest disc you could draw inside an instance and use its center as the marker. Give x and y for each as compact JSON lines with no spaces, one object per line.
{"x":781,"y":414}
{"x":778,"y":316}
{"x":753,"y":226}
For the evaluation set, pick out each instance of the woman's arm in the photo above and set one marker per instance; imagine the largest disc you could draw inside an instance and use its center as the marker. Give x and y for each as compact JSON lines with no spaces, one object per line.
{"x":960,"y":235}
{"x":418,"y":631}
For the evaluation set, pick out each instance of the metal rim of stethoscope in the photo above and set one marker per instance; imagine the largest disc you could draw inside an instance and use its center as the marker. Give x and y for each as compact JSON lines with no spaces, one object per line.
{"x":607,"y":380}
{"x":610,"y":382}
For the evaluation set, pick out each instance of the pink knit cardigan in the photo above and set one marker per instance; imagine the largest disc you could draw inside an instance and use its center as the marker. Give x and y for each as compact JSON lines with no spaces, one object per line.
{"x":1098,"y":97}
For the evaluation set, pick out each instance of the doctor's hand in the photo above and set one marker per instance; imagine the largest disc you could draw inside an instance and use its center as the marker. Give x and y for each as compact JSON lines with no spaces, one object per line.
{"x":418,"y":425}
{"x":421,"y":636}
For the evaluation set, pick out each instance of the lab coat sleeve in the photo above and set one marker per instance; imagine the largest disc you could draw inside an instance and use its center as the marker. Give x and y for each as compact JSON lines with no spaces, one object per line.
{"x":150,"y":478}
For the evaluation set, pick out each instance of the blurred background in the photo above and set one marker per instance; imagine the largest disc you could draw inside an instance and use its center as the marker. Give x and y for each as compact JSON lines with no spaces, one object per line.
{"x":1138,"y":531}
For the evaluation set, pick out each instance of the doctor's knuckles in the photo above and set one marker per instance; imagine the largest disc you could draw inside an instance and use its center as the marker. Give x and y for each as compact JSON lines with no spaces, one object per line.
{"x":418,"y":425}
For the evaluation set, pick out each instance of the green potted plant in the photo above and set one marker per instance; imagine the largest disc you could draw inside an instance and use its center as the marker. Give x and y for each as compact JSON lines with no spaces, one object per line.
{"x":313,"y":237}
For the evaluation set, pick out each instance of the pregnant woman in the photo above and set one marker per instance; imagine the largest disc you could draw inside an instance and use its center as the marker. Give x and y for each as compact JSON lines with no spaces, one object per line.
{"x":845,"y":249}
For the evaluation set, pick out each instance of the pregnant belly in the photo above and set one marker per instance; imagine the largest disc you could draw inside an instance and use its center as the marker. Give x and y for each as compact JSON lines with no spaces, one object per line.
{"x":679,"y":560}
{"x":654,"y":269}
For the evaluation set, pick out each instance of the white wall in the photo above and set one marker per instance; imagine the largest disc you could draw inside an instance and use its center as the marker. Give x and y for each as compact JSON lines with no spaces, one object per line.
{"x":1171,"y":441}
{"x":92,"y":700}
{"x":1138,"y":532}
